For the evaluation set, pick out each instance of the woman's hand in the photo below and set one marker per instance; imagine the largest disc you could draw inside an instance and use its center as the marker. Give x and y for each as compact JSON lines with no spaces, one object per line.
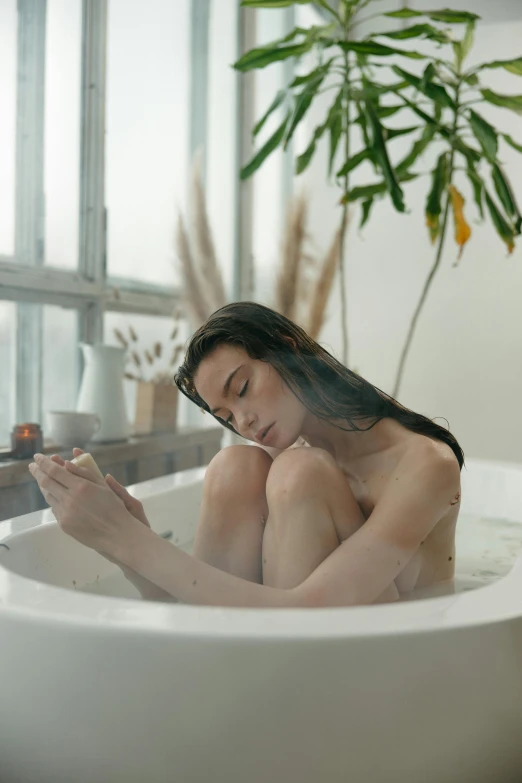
{"x":84,"y":506}
{"x":147,"y":589}
{"x":133,"y":505}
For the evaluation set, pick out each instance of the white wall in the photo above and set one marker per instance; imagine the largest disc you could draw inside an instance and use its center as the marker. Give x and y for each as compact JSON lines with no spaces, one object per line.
{"x":465,"y":362}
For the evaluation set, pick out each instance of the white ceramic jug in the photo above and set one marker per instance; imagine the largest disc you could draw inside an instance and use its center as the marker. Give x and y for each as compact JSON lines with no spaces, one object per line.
{"x":101,"y":391}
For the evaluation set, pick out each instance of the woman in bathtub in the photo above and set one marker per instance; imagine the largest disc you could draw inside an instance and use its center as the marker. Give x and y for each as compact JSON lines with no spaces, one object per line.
{"x":363,"y":512}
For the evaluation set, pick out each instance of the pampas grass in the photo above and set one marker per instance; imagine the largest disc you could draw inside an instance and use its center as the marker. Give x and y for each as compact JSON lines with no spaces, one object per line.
{"x":299,"y":296}
{"x":302,"y":288}
{"x":288,"y":278}
{"x":203,"y":244}
{"x":202,"y":282}
{"x":195,"y":301}
{"x":323,"y":288}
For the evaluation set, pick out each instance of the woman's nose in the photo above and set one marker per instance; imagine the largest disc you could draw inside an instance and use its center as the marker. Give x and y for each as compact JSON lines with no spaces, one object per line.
{"x":246,"y":422}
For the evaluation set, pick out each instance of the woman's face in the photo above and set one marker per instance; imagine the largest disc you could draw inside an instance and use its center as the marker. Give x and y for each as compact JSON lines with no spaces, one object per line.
{"x":251,"y":395}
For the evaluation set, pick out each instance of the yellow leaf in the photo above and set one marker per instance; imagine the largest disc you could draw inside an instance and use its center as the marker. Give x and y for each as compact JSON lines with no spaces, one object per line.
{"x":462,"y":229}
{"x":432,"y":221}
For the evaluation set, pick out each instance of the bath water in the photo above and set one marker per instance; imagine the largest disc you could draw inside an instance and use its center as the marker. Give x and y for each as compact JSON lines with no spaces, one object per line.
{"x":486,"y":549}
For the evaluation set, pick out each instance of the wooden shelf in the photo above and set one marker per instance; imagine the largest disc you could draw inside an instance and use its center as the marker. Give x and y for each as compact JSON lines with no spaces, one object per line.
{"x":139,"y":458}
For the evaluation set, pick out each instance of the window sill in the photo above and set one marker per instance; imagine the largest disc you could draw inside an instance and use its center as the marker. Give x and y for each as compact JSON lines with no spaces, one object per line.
{"x":140,"y":458}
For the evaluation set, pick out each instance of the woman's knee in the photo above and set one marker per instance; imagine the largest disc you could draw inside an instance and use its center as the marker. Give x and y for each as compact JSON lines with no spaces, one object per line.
{"x":298,"y":471}
{"x":238,"y":471}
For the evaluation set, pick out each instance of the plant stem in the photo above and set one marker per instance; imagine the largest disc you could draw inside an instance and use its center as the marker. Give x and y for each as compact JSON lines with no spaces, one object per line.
{"x":342,"y":243}
{"x":413,"y":324}
{"x":438,"y":258}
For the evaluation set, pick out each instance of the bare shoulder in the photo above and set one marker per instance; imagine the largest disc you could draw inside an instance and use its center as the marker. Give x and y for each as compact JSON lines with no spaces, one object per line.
{"x":434,"y":461}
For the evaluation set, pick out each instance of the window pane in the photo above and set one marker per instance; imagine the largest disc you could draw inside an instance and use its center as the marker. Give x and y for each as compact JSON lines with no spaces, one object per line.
{"x":7,"y":363}
{"x":8,"y":49}
{"x":147,"y":134}
{"x":60,"y":360}
{"x":222,"y":162}
{"x":149,"y":330}
{"x":268,"y":183}
{"x":62,"y":131}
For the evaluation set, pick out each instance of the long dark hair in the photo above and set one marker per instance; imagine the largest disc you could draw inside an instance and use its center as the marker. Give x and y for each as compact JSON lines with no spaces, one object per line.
{"x":324,"y":386}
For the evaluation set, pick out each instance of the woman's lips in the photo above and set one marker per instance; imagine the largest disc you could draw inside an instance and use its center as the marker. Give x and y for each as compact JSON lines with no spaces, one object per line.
{"x":266,"y":439}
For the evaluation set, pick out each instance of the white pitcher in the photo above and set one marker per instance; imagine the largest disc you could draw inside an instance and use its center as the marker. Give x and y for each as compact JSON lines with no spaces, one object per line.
{"x":101,"y":391}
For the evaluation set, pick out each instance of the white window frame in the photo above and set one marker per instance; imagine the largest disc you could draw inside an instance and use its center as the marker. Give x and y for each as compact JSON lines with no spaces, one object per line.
{"x":88,"y":290}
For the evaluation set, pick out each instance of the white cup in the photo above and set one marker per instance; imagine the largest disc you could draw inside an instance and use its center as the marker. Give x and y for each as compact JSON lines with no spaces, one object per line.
{"x":72,"y":428}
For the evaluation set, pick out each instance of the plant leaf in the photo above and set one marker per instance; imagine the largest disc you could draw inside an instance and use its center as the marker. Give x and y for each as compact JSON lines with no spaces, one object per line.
{"x":334,"y":122}
{"x":471,"y":154}
{"x":478,"y":188}
{"x":485,"y":134}
{"x":403,"y":13}
{"x":513,"y":102}
{"x":380,"y":153}
{"x":434,"y":91}
{"x":503,"y":229}
{"x":278,"y":100}
{"x":272,"y":3}
{"x":512,"y":143}
{"x":365,"y":211}
{"x":506,"y":196}
{"x":272,"y":143}
{"x":462,"y":227}
{"x":433,"y":202}
{"x":418,"y":31}
{"x":513,"y":66}
{"x":377,"y":49}
{"x":452,"y":17}
{"x":393,"y":133}
{"x":304,"y":159}
{"x":467,"y":41}
{"x":471,"y":79}
{"x":303,"y":101}
{"x":375,"y":189}
{"x":321,"y":69}
{"x":353,"y":162}
{"x":417,"y":149}
{"x":262,"y":56}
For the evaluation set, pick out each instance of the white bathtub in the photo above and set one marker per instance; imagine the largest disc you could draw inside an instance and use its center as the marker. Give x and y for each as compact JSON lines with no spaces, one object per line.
{"x":97,"y":689}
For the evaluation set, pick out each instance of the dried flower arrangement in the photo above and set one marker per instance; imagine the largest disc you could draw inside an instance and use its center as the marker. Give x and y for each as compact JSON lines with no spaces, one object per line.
{"x":302,"y":291}
{"x":144,"y":363}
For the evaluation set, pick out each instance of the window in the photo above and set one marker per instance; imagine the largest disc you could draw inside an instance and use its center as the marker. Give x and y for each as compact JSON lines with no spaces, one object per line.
{"x":60,"y":359}
{"x":147,"y":134}
{"x":62,"y":114}
{"x":8,"y":50}
{"x":59,"y":180}
{"x":7,"y":363}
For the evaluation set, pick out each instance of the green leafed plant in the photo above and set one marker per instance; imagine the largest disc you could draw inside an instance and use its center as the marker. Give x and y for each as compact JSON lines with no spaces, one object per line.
{"x":472,"y":144}
{"x":367,"y":88}
{"x":342,"y":68}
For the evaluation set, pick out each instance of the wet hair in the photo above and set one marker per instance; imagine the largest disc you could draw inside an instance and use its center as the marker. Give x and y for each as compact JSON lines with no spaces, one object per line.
{"x":325,"y":387}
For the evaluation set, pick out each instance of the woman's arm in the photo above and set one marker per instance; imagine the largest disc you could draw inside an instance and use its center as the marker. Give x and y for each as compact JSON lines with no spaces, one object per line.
{"x":356,"y":573}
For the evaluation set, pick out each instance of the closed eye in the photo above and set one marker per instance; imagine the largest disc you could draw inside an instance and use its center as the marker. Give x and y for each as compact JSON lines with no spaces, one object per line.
{"x":241,"y":394}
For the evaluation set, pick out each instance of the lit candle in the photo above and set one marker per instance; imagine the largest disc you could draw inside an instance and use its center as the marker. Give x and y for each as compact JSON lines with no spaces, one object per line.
{"x":26,"y":440}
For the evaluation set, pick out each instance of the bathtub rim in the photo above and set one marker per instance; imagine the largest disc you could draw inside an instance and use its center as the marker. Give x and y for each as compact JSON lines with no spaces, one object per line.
{"x":27,"y":599}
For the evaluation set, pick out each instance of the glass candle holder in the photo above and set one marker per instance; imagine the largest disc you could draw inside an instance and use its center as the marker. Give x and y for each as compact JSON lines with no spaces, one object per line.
{"x":26,"y":440}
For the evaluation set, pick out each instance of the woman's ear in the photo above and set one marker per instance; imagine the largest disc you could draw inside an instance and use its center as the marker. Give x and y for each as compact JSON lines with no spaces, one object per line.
{"x":290,"y":340}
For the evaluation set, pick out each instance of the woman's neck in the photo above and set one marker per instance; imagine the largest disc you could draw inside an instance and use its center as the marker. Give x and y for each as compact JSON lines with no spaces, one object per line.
{"x":348,"y":446}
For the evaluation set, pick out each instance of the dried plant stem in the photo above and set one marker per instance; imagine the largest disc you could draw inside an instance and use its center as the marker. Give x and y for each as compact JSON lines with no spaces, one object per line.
{"x":195,"y":301}
{"x":205,"y":253}
{"x":287,"y":284}
{"x":323,"y":288}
